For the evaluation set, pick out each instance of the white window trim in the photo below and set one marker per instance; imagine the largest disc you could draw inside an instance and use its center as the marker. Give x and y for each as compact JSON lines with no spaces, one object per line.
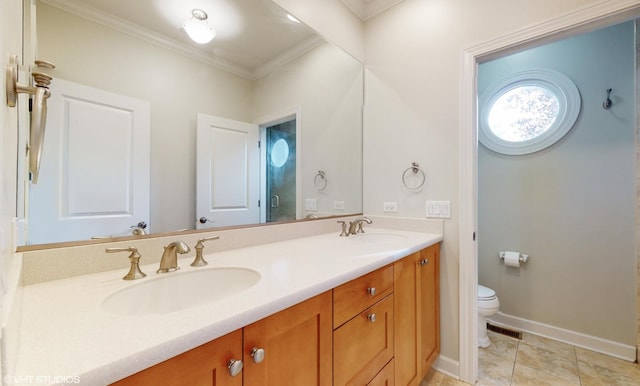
{"x":559,"y":84}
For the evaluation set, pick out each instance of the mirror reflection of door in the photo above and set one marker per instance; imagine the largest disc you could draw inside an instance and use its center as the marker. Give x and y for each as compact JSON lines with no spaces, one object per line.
{"x":281,"y":171}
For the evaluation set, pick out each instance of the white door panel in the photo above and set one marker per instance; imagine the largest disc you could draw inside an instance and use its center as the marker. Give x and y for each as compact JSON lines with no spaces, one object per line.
{"x":94,"y":177}
{"x":227,"y":172}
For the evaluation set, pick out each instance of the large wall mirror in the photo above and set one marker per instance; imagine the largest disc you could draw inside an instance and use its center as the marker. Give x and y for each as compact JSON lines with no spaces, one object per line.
{"x":147,"y":126}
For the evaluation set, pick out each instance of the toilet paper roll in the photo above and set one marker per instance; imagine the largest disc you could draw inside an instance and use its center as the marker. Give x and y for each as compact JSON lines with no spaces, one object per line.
{"x":512,"y":259}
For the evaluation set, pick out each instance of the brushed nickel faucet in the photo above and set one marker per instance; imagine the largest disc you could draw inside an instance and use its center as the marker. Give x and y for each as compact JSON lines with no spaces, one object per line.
{"x":355,"y":226}
{"x":199,"y":261}
{"x":169,"y":261}
{"x":134,"y":257}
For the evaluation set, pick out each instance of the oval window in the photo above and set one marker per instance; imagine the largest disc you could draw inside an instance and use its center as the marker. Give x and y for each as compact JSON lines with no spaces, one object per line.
{"x":527,"y":111}
{"x":279,"y":153}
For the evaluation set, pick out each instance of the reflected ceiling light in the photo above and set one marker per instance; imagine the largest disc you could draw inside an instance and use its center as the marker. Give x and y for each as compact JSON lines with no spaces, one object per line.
{"x":197,"y":27}
{"x":292,"y":18}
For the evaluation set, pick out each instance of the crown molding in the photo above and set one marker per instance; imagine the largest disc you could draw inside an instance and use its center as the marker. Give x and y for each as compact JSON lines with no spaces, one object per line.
{"x":366,"y":9}
{"x":108,"y":20}
{"x":289,"y":56}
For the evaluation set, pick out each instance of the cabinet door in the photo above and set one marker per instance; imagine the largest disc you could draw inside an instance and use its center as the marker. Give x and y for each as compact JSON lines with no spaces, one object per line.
{"x":296,"y":344}
{"x":417,"y":315}
{"x":363,"y":345}
{"x":430,"y":306}
{"x":407,"y":276}
{"x":205,"y":365}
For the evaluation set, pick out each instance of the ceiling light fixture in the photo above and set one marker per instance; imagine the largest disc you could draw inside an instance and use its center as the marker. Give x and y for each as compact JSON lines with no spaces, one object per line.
{"x":197,"y":27}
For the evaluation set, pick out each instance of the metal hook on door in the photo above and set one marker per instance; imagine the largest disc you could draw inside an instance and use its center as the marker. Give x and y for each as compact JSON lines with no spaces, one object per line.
{"x":607,"y":102}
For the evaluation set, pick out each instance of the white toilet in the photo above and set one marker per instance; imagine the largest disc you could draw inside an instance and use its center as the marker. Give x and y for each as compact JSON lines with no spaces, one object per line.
{"x":488,"y":305}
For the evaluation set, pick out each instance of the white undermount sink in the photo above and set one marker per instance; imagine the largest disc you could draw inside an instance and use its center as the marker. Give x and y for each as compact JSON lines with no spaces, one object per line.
{"x":177,"y":291}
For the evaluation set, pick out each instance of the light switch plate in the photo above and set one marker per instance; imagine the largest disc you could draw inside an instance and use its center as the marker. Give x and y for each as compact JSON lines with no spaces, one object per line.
{"x":338,"y":205}
{"x":438,"y":209}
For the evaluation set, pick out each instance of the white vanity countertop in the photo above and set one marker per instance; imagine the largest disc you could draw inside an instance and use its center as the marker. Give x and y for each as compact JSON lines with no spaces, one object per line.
{"x":64,"y":331}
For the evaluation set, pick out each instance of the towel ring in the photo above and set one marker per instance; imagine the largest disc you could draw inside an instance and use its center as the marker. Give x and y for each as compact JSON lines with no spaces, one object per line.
{"x":415,"y":170}
{"x":320,"y":180}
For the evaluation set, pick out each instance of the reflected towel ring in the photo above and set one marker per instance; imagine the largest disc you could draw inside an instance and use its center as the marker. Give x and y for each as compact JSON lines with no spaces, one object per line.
{"x":320,"y":180}
{"x":415,"y":170}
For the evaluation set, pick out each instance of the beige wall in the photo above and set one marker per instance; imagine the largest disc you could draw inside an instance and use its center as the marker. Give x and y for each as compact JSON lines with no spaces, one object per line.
{"x":414,"y":61}
{"x":10,"y":42}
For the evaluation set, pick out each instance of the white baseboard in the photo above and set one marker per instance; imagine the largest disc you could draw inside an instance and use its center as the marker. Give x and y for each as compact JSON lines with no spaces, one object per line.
{"x":447,"y":366}
{"x":589,"y":342}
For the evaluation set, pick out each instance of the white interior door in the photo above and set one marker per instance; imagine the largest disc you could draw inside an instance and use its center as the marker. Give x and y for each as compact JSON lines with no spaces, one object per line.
{"x":94,"y":176}
{"x":228,"y":164}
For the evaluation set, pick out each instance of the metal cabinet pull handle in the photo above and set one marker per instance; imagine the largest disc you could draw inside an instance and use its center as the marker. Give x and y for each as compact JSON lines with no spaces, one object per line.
{"x":423,"y":262}
{"x":257,"y":354}
{"x":235,"y":367}
{"x":371,"y":291}
{"x":372,"y":318}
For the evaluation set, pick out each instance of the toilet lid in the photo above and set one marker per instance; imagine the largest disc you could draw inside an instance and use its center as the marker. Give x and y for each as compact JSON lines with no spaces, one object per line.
{"x":485,"y":292}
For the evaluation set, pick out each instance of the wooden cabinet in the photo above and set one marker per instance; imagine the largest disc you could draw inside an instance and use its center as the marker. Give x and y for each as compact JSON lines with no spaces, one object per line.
{"x":296,"y":344}
{"x":204,"y":365}
{"x":363,"y":345}
{"x":363,"y":328}
{"x":381,"y":329}
{"x":430,"y":307}
{"x":417,"y":323}
{"x":355,"y":296}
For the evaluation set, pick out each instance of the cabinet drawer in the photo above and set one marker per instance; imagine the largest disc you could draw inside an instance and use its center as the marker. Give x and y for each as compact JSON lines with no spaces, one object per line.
{"x":353,"y":297}
{"x":363,"y":345}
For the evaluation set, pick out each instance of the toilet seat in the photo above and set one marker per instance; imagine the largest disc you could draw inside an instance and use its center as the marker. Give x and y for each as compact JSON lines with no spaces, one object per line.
{"x":485,"y":293}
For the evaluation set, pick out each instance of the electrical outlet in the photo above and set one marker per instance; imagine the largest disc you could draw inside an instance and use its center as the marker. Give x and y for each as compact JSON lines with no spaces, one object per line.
{"x":338,"y":205}
{"x":438,"y":209}
{"x":310,"y":204}
{"x":390,"y":207}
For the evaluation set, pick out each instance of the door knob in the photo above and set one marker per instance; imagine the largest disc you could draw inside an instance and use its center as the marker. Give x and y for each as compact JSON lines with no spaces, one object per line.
{"x":372,"y":318}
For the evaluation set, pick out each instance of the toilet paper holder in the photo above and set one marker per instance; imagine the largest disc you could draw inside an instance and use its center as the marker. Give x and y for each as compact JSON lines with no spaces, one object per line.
{"x":523,"y":257}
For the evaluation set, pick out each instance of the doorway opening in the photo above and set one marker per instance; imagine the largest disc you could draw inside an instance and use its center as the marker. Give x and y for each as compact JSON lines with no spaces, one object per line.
{"x":576,"y":22}
{"x":280,"y":171}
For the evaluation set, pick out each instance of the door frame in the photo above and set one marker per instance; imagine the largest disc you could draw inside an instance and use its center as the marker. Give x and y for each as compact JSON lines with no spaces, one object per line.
{"x":271,"y":120}
{"x":582,"y":20}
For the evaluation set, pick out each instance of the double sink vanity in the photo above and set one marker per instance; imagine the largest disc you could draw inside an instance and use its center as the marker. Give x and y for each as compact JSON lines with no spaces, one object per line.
{"x":317,"y":309}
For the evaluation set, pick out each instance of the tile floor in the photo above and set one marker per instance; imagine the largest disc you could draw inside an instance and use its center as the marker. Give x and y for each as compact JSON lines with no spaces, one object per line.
{"x":537,"y":361}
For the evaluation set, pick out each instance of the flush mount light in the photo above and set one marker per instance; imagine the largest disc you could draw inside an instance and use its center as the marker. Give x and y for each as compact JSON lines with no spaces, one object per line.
{"x":197,"y":27}
{"x":292,"y":18}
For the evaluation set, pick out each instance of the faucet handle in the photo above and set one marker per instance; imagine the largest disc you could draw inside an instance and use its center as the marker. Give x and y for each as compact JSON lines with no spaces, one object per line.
{"x":343,"y":228}
{"x":134,"y":257}
{"x":199,"y":261}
